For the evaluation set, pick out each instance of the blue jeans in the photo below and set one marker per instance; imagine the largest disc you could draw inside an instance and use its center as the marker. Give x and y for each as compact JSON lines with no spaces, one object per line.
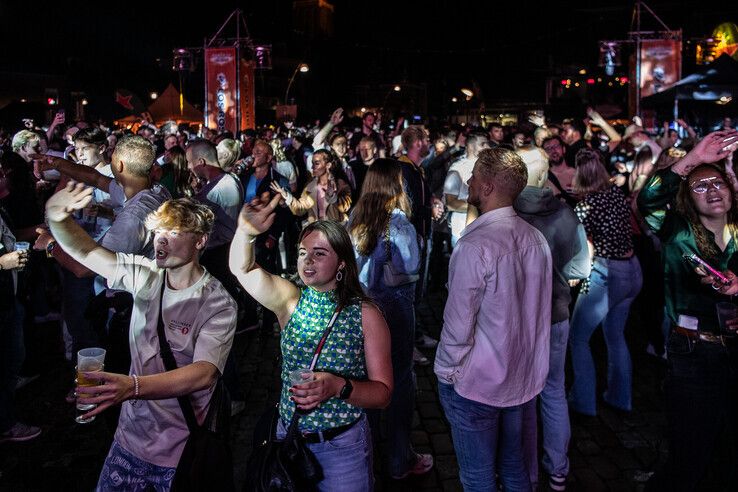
{"x":398,"y":309}
{"x":481,"y":433}
{"x":701,"y":393}
{"x":346,"y":459}
{"x":613,"y":286}
{"x":554,"y":413}
{"x":122,"y":471}
{"x":12,"y":353}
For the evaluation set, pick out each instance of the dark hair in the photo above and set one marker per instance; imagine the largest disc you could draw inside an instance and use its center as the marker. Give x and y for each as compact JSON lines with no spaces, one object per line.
{"x":181,"y":172}
{"x":203,"y":149}
{"x":494,"y":125}
{"x":578,"y":125}
{"x":383,"y":191}
{"x":92,"y":135}
{"x":331,"y":157}
{"x":348,"y":290}
{"x":685,"y":206}
{"x":553,"y":137}
{"x":590,"y":175}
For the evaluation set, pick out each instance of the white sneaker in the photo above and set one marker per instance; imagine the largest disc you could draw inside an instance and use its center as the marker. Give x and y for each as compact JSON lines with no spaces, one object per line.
{"x":426,"y":342}
{"x":419,"y":359}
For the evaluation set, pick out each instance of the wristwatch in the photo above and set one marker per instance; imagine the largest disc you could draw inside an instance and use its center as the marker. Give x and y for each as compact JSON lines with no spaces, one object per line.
{"x":346,"y":391}
{"x":50,"y":248}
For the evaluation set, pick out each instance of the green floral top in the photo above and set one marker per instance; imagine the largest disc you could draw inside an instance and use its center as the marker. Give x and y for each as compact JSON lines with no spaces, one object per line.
{"x":342,"y":354}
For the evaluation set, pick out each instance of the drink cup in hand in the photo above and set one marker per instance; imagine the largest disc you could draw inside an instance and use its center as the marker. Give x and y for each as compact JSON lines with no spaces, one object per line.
{"x":88,"y":360}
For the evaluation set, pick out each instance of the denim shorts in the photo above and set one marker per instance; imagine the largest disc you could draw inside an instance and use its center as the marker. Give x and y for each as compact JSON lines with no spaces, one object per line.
{"x":123,"y":471}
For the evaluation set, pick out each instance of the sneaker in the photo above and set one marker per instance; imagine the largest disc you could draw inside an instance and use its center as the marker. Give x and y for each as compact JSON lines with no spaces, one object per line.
{"x":20,"y":432}
{"x":419,"y":359}
{"x":557,"y":483}
{"x":426,"y":342}
{"x":237,"y":407}
{"x":422,"y":465}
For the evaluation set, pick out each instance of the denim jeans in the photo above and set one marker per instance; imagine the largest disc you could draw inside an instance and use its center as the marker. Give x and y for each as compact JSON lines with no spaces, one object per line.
{"x":397,"y":306}
{"x":554,"y":413}
{"x":122,"y":471}
{"x":481,"y":433}
{"x":613,"y":286}
{"x":346,"y":459}
{"x":12,"y":353}
{"x":701,"y":390}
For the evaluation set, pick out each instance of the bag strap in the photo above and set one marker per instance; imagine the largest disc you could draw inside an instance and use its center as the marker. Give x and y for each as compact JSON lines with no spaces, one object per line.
{"x":170,"y":364}
{"x":292,"y":429}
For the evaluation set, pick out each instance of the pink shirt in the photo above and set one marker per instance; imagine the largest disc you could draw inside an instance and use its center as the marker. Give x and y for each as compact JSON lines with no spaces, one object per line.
{"x":496,"y":326}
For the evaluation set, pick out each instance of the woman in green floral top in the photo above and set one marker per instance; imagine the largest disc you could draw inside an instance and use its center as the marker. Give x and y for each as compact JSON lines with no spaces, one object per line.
{"x":354,"y":370}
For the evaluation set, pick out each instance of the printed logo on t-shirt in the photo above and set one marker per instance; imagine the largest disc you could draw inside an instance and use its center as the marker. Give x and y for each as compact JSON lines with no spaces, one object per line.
{"x":181,"y":326}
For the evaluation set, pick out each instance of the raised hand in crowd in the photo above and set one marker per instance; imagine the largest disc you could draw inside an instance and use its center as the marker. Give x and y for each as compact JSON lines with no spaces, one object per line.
{"x":285,"y":194}
{"x":712,"y":148}
{"x":75,"y":196}
{"x":258,"y":216}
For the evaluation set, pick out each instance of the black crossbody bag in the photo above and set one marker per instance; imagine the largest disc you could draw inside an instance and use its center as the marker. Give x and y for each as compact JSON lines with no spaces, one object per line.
{"x":206,"y":462}
{"x":285,"y":465}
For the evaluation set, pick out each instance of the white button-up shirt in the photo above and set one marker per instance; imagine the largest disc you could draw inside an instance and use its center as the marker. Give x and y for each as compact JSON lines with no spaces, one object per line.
{"x":494,"y":344}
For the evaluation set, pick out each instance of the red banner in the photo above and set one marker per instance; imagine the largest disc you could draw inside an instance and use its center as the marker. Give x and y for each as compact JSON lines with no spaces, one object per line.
{"x":661,"y":65}
{"x":221,"y":83}
{"x":247,"y":94}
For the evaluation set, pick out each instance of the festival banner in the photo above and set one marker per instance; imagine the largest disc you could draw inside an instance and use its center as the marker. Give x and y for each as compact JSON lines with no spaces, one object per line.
{"x":247,"y":95}
{"x":661,"y":65}
{"x":221,"y":84}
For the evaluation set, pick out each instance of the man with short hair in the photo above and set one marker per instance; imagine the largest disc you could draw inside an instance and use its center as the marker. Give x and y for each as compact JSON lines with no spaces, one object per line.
{"x":567,"y":241}
{"x":199,"y":320}
{"x":455,"y":187}
{"x":367,"y":154}
{"x":496,"y":135}
{"x":367,"y":131}
{"x":25,"y":143}
{"x":561,"y":171}
{"x":573,"y":137}
{"x":493,"y":353}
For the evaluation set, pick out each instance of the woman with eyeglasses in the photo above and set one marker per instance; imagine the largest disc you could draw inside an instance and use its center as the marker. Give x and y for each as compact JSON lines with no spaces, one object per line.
{"x":690,"y":206}
{"x":604,"y":298}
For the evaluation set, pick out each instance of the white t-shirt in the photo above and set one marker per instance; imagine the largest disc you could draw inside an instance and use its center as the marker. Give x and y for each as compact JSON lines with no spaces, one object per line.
{"x":286,"y":169}
{"x":455,"y":184}
{"x":200,"y":322}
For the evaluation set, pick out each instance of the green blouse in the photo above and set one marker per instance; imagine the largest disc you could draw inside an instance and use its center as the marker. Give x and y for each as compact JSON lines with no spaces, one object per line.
{"x":342,"y":354}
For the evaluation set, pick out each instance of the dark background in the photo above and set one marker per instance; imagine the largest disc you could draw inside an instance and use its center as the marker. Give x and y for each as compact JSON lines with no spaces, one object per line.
{"x":505,"y":50}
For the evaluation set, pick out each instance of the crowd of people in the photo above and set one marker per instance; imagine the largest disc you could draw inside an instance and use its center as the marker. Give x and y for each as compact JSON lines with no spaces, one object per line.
{"x":552,"y":229}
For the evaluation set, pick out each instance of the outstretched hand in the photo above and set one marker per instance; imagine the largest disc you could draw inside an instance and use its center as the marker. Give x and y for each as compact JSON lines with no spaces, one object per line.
{"x":285,"y":194}
{"x":258,"y":216}
{"x":75,"y":196}
{"x":337,"y":117}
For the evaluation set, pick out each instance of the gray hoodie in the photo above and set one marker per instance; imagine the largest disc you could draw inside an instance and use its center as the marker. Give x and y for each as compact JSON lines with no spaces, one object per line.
{"x":566,"y":238}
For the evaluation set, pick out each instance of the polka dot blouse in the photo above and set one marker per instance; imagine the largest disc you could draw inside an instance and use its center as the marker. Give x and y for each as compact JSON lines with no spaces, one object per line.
{"x":606,"y":218}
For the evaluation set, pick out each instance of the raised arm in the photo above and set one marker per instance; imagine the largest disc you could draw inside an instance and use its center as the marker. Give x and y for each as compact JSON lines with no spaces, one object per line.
{"x":83,"y":174}
{"x":598,"y":120}
{"x":71,"y":237}
{"x":272,"y":291}
{"x":336,"y":119}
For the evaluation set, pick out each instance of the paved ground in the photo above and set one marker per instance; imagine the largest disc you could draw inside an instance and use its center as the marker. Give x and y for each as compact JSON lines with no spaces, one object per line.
{"x":609,"y":452}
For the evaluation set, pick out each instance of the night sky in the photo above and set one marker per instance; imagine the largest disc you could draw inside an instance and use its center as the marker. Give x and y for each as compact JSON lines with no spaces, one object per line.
{"x":505,"y":48}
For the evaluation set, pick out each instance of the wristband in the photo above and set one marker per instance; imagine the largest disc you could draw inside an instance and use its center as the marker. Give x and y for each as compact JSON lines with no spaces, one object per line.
{"x":136,"y":389}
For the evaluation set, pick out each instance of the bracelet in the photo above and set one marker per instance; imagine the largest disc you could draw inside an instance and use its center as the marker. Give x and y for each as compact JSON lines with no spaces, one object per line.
{"x":136,"y":388}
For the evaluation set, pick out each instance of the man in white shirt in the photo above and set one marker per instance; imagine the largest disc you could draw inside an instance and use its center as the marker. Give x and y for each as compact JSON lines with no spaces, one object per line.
{"x":494,"y":348}
{"x":455,"y":187}
{"x":199,"y":320}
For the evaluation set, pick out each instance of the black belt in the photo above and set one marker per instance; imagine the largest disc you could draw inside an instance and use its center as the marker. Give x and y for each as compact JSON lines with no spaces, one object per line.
{"x":328,"y":434}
